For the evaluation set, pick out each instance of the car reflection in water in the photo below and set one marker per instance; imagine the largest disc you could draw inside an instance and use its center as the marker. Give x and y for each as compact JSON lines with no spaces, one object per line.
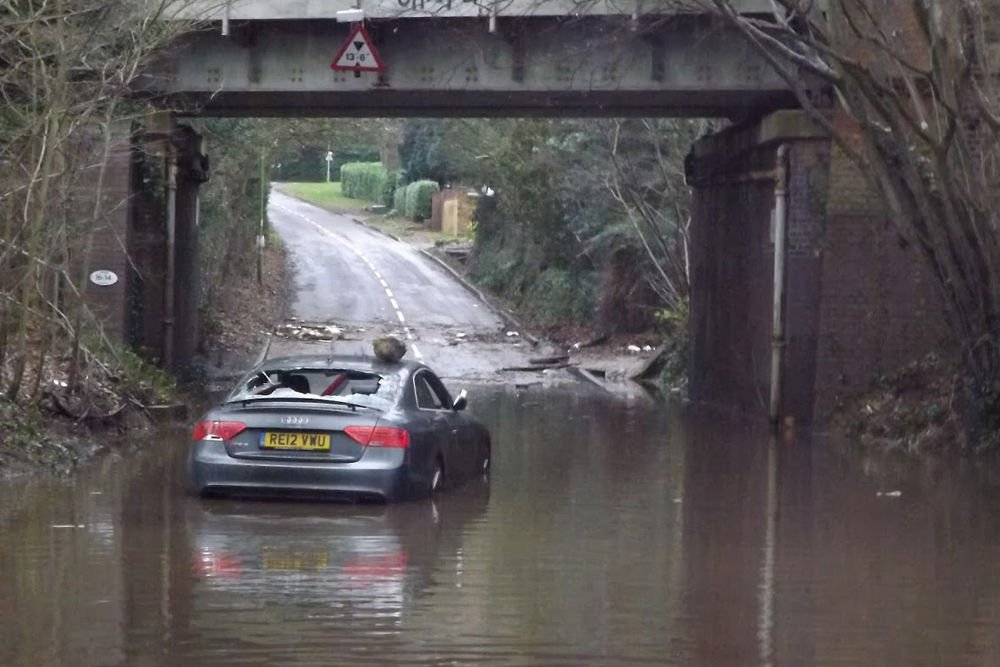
{"x":330,"y":561}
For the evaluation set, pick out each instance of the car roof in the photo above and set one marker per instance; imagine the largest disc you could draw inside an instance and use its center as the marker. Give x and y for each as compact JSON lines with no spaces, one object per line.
{"x":349,"y":362}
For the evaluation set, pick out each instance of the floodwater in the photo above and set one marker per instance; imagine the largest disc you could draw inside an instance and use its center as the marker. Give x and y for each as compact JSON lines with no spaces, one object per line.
{"x":611,"y":533}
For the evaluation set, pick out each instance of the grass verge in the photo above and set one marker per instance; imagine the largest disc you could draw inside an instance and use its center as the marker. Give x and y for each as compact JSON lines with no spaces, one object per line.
{"x":330,"y":196}
{"x":327,"y":195}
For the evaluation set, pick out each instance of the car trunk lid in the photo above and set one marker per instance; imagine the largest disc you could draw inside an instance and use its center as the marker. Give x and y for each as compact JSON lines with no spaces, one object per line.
{"x":299,"y":432}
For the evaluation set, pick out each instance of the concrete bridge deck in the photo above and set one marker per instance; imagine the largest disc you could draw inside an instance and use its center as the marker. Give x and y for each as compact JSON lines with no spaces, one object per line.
{"x":459,"y":58}
{"x":255,"y":10}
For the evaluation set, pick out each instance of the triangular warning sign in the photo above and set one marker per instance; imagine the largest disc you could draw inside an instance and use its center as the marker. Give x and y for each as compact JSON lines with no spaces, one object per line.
{"x":358,"y":54}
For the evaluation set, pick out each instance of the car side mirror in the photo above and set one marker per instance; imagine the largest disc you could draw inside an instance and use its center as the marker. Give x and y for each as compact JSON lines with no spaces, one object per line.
{"x":461,"y":401}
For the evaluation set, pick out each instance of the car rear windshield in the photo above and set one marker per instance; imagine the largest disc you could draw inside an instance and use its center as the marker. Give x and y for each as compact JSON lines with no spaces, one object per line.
{"x":333,"y":384}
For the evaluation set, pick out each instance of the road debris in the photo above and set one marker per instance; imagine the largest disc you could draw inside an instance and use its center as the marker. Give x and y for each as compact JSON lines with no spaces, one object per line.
{"x":558,"y":359}
{"x":544,"y":368}
{"x":302,"y":331}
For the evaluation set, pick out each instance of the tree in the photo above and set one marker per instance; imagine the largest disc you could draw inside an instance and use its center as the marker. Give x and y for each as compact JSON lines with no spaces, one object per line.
{"x":428,"y":150}
{"x":299,"y":146}
{"x":648,"y":182}
{"x":68,"y":67}
{"x":588,"y":222}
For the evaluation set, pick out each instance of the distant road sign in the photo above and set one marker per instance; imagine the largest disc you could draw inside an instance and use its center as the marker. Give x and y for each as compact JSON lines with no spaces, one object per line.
{"x":358,"y":54}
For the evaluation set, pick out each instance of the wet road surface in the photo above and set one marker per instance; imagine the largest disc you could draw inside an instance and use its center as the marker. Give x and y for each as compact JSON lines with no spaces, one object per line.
{"x":371,"y":285}
{"x":347,"y":272}
{"x":610,"y":533}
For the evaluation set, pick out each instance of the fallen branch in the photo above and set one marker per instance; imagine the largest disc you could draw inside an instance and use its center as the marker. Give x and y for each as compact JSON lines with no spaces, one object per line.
{"x":558,"y":359}
{"x":65,"y":411}
{"x":587,"y":376}
{"x":536,"y":368}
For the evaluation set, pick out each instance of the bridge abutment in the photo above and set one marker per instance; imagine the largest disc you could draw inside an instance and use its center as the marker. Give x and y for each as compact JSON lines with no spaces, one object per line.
{"x":149,"y":240}
{"x":107,"y":300}
{"x":857,"y":300}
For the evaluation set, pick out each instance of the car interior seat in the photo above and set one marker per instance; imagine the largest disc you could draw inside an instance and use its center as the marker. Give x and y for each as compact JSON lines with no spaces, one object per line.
{"x":299,"y":383}
{"x":363,"y":386}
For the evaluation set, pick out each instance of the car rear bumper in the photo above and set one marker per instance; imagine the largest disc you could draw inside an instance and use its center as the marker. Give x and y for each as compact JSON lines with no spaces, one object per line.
{"x":380,"y":474}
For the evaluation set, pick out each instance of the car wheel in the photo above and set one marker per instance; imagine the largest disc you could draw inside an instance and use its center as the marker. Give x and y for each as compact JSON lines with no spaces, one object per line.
{"x":437,"y":477}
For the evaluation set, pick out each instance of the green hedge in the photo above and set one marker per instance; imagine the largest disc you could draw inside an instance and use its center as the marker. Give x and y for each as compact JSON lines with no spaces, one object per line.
{"x":399,"y":200}
{"x":368,"y":181}
{"x":556,"y":296}
{"x":418,"y":199}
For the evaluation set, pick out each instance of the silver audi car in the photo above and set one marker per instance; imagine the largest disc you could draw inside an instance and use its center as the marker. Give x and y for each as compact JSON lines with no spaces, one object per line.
{"x":345,"y":428}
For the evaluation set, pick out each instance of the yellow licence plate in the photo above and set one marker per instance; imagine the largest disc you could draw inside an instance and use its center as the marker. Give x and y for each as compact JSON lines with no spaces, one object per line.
{"x":273,"y":558}
{"x":301,"y":441}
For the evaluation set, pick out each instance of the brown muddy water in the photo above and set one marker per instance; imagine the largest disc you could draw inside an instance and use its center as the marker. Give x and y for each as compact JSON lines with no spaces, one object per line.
{"x":611,"y":533}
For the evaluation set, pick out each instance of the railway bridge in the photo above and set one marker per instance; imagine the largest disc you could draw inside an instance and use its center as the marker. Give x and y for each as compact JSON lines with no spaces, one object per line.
{"x":786,"y":237}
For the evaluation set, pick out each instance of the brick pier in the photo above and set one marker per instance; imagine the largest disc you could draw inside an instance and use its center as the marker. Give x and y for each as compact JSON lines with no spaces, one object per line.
{"x":858,"y":300}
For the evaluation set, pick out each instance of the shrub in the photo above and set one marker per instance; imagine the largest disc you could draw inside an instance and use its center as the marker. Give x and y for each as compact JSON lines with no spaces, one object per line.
{"x":399,"y":200}
{"x":419,"y":195}
{"x":496,"y":269}
{"x":396,"y":180}
{"x":368,"y":181}
{"x":558,"y":296}
{"x":673,"y":374}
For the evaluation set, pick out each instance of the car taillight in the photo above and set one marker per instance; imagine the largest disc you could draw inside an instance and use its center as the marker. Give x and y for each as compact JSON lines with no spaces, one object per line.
{"x":379,"y":436}
{"x":221,"y":429}
{"x":367,"y":570}
{"x":221,"y":564}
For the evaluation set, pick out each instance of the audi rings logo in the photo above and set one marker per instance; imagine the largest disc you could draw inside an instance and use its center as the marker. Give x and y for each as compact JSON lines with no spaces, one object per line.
{"x":295,"y":420}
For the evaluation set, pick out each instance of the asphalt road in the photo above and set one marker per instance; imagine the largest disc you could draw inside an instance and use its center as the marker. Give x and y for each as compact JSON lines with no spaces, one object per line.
{"x":368,"y":284}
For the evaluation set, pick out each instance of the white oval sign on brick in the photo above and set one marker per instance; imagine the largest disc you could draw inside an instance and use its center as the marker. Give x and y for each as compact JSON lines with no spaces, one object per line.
{"x":104,"y":277}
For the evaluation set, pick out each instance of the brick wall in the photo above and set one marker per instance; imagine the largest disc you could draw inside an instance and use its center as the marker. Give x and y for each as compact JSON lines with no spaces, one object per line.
{"x":858,"y":299}
{"x":437,"y":210}
{"x":130,"y":239}
{"x":108,"y":302}
{"x":878,"y":306}
{"x":451,"y":211}
{"x":808,"y":169}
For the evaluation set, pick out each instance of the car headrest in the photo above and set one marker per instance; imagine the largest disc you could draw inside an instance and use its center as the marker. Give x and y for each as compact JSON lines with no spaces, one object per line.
{"x":364,"y":386}
{"x":297,"y":383}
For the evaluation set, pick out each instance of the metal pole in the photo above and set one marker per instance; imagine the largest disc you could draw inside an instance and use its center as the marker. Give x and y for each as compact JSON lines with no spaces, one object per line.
{"x":260,"y":228}
{"x":168,"y":292}
{"x":777,"y":313}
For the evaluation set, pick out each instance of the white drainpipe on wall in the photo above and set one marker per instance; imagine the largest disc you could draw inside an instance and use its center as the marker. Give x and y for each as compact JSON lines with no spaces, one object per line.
{"x":778,"y":313}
